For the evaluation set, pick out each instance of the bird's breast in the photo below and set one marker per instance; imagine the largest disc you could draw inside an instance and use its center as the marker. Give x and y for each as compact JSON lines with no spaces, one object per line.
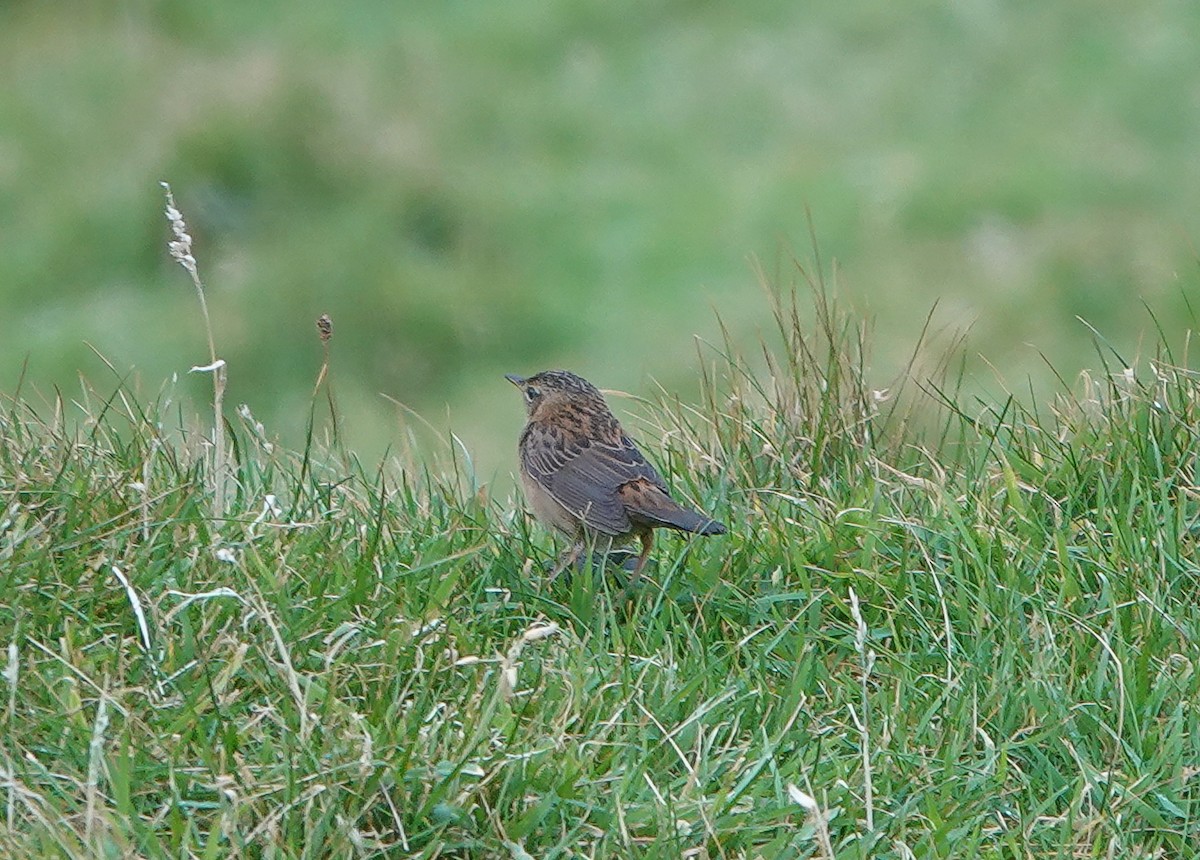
{"x":548,"y":512}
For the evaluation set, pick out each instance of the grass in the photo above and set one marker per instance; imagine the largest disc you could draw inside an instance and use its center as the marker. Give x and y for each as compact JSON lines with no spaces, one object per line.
{"x":936,"y":629}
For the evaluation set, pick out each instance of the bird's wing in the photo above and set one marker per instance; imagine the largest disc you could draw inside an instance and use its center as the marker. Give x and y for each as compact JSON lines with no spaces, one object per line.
{"x":584,"y":475}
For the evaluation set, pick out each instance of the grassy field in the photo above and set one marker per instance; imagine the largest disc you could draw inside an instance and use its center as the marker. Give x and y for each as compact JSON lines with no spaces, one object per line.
{"x":937,"y":628}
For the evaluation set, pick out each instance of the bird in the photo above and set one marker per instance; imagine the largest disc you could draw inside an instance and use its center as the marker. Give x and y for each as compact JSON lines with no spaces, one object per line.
{"x":584,"y":477}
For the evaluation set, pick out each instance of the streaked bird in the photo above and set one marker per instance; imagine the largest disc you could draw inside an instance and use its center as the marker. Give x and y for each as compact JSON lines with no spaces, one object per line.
{"x":583,"y":476}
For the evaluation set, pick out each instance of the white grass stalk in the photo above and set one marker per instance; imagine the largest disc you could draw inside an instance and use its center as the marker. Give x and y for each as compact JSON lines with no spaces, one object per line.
{"x":508,"y":667}
{"x":190,"y":598}
{"x":139,"y":613}
{"x":809,"y":804}
{"x":95,"y":756}
{"x":867,"y":661}
{"x":259,"y":605}
{"x":12,"y":673}
{"x":181,"y":251}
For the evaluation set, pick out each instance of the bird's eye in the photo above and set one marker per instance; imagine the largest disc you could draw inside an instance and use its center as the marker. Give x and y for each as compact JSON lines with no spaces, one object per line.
{"x":531,"y":393}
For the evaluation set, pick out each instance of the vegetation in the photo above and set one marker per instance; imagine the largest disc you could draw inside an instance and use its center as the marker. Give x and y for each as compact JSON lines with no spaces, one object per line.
{"x":944,"y":624}
{"x":936,"y":629}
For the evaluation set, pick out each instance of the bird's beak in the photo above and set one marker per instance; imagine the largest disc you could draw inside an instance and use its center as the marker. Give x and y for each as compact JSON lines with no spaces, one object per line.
{"x":514,"y":379}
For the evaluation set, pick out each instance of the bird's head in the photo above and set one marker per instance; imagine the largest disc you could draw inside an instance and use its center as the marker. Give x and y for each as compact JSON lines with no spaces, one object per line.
{"x":548,"y":391}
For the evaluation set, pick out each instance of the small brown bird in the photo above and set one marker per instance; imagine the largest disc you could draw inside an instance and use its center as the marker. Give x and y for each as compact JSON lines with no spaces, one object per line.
{"x":584,"y":477}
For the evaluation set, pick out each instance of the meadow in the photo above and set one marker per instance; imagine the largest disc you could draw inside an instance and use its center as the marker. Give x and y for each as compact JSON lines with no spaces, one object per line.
{"x":256,"y":609}
{"x":939,"y":627}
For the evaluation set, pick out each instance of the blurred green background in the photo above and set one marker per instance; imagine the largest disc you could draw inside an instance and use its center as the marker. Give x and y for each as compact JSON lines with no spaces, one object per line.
{"x":474,"y":188}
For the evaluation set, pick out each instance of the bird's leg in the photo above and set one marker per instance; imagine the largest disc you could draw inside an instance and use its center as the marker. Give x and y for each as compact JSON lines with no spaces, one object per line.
{"x":647,"y":538}
{"x":567,"y":559}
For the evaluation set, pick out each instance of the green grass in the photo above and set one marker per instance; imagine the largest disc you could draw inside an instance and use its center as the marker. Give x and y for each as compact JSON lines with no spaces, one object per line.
{"x":986,"y":612}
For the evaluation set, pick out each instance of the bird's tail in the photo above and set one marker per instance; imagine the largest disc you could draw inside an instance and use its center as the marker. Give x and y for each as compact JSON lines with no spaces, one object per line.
{"x":694,"y":522}
{"x":649,"y":505}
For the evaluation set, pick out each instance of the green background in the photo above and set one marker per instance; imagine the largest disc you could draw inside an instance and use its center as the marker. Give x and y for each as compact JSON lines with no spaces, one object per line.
{"x":475,"y":188}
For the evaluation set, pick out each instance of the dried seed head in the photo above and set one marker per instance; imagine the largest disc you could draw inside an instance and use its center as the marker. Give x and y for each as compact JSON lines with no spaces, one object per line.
{"x":181,"y":246}
{"x":325,"y":327}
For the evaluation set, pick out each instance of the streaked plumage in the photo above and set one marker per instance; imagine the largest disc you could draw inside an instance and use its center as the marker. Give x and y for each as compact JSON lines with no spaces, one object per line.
{"x":584,"y":477}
